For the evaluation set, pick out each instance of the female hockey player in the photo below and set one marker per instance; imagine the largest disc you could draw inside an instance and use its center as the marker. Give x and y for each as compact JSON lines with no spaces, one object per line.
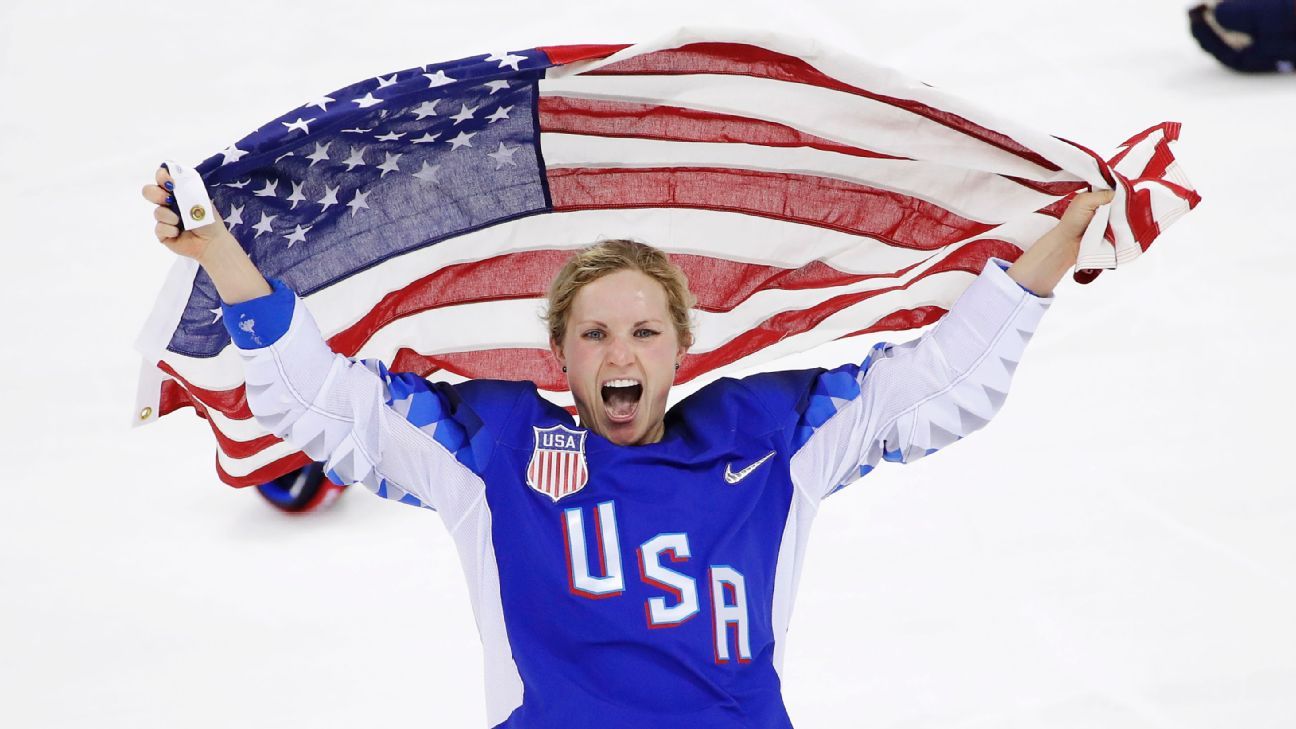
{"x":636,"y":569}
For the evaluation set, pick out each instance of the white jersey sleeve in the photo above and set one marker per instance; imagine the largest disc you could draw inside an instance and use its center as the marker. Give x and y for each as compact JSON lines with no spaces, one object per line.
{"x":398,"y":434}
{"x":906,"y":401}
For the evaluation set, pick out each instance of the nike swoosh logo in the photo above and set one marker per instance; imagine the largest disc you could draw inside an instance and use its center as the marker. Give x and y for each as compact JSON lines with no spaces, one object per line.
{"x":731,"y":477}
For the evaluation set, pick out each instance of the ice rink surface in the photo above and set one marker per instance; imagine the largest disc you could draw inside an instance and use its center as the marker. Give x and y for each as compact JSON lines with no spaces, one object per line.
{"x":1117,"y":549}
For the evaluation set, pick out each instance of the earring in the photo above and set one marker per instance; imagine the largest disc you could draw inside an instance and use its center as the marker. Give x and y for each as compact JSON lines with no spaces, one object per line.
{"x":565,"y":367}
{"x":677,"y":365}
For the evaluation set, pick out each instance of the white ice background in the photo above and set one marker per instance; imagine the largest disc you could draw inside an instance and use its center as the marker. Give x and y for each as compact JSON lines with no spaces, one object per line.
{"x":1117,"y":549}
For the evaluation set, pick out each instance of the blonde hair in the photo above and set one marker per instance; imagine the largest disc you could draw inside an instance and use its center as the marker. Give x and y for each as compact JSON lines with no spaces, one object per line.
{"x":610,"y":256}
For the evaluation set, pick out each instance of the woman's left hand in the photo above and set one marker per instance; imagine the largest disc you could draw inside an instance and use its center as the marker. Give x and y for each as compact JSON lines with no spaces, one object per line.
{"x":1040,"y":267}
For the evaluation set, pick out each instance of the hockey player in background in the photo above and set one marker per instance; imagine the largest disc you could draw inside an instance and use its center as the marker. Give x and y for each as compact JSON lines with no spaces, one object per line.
{"x":1248,"y":35}
{"x":638,"y":568}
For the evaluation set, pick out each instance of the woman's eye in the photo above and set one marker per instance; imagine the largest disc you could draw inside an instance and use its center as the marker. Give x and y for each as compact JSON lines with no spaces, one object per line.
{"x":644,"y":333}
{"x":594,"y":334}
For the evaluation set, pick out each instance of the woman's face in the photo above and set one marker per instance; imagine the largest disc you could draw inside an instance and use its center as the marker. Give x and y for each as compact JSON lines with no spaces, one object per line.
{"x":620,"y":352}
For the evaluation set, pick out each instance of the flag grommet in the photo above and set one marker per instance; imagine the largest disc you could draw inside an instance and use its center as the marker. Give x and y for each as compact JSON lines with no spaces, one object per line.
{"x":197,"y":212}
{"x":146,"y":413}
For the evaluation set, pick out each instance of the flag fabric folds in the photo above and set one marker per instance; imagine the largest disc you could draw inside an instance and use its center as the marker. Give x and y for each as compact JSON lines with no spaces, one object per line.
{"x":807,"y":194}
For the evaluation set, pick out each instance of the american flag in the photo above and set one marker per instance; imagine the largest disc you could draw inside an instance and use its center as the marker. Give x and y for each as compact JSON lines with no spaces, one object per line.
{"x":807,"y":194}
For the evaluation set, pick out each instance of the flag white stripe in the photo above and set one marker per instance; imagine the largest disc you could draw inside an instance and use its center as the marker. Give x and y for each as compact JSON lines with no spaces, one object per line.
{"x":842,"y":117}
{"x":983,"y":197}
{"x":851,"y":70}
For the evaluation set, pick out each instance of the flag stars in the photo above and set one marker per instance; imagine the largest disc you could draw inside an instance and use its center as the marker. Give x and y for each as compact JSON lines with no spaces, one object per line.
{"x":389,"y":137}
{"x":216,"y":315}
{"x":319,"y":155}
{"x":465,"y":113}
{"x":462,"y":140}
{"x":234,"y":216}
{"x":296,"y":195}
{"x":426,"y":138}
{"x":232,"y":154}
{"x":367,"y":101}
{"x":438,"y":79}
{"x":270,"y":190}
{"x":427,"y":108}
{"x":385,"y":82}
{"x":321,"y":101}
{"x":297,"y":236}
{"x":330,"y":197}
{"x":356,"y":158}
{"x":498,"y":85}
{"x":302,"y":124}
{"x":263,"y":226}
{"x":358,"y":202}
{"x":428,"y":173}
{"x":506,"y":59}
{"x":389,"y":164}
{"x":504,"y":155}
{"x":500,"y":113}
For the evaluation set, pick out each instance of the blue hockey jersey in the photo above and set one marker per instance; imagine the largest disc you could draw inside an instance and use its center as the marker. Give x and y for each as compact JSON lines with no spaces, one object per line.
{"x":633,"y":586}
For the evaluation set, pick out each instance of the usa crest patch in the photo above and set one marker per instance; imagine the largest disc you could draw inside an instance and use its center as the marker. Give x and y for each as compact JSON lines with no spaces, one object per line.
{"x":557,"y":466}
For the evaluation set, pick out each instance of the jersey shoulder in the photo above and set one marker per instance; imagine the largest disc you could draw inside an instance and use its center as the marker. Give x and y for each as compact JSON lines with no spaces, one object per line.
{"x":753,"y":405}
{"x":469,"y":418}
{"x":801,"y":401}
{"x":509,"y":408}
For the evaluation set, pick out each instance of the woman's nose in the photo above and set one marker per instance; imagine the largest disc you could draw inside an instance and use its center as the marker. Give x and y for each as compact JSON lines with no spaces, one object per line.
{"x":619,"y":352}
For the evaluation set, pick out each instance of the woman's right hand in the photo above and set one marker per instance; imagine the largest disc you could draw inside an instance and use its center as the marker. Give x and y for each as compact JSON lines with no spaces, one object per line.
{"x":190,"y":243}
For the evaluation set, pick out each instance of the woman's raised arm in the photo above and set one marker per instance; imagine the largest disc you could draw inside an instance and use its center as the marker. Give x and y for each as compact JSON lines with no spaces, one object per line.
{"x":403,"y":437}
{"x":908,"y":400}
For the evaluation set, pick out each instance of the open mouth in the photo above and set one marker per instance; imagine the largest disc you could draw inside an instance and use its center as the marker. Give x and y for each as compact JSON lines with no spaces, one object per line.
{"x":621,"y":399}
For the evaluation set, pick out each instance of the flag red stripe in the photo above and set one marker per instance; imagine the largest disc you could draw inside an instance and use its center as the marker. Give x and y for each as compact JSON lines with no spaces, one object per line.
{"x":1189,"y":196}
{"x":266,"y":473}
{"x":892,"y":217}
{"x":522,"y":275}
{"x":1169,"y":129}
{"x":1138,"y":210}
{"x":175,"y":397}
{"x":747,"y":60}
{"x":172,"y":397}
{"x":561,"y":55}
{"x":231,"y":403}
{"x":902,"y":319}
{"x":527,"y":274}
{"x":790,"y":323}
{"x":607,"y":118}
{"x":1049,"y":188}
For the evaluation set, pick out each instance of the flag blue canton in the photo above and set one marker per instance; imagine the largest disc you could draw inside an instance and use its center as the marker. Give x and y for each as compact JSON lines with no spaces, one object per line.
{"x":372,"y":171}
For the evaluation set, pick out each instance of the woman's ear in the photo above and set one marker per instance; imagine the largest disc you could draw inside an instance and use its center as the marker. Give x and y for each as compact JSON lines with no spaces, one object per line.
{"x":683,"y":348}
{"x":557,"y":350}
